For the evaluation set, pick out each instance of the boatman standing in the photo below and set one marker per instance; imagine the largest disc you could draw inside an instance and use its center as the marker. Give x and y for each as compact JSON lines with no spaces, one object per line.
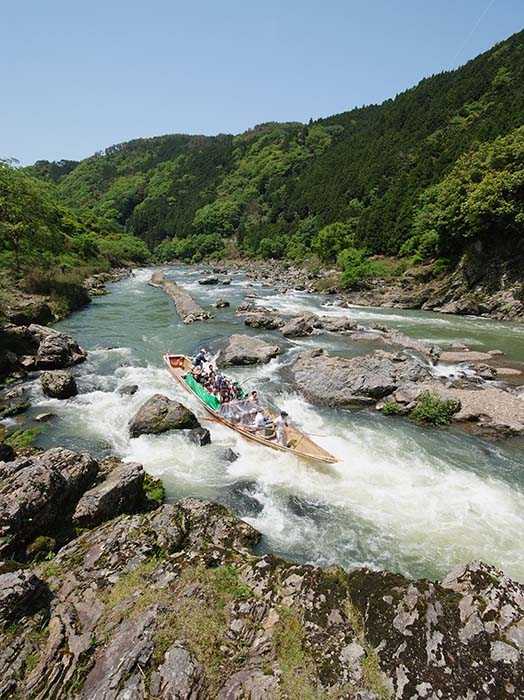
{"x":280,"y":425}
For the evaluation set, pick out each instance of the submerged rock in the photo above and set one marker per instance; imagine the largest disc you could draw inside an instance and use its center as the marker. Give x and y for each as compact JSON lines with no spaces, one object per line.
{"x":160,"y":414}
{"x":59,"y":384}
{"x":222,"y":304}
{"x":209,"y":281}
{"x":128,"y":390}
{"x":246,"y":350}
{"x":200,"y":436}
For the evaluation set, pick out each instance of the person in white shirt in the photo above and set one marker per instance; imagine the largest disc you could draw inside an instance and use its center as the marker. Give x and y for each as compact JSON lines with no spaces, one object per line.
{"x":260,"y":421}
{"x":281,"y":425}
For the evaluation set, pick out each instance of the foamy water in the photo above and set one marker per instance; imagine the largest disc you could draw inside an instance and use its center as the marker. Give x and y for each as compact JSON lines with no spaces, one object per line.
{"x":402,"y":497}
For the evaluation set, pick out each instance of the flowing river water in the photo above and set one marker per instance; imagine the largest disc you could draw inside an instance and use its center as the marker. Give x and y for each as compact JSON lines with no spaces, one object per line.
{"x":404,"y":498}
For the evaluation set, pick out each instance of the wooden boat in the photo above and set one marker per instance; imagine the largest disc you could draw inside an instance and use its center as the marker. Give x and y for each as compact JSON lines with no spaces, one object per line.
{"x":299,"y":443}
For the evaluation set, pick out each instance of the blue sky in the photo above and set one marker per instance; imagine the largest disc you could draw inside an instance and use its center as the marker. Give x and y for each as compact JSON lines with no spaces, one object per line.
{"x":77,"y":77}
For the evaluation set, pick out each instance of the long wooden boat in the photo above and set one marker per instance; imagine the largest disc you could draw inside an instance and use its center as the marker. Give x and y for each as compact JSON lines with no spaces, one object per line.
{"x":299,"y":443}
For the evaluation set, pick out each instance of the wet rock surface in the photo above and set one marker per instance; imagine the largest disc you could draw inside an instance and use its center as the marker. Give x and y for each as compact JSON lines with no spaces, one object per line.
{"x":247,"y":350}
{"x":160,"y":414}
{"x":299,"y":326}
{"x":174,"y":604}
{"x":58,"y":384}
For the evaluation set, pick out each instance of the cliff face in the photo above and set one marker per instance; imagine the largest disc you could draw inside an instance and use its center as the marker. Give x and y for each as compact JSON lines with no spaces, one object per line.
{"x":173,"y":603}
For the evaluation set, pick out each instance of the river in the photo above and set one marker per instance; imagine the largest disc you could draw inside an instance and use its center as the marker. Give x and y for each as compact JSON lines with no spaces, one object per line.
{"x":404,"y":498}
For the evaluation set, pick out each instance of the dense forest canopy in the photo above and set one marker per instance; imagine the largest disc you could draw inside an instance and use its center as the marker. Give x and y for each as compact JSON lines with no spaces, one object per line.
{"x":421,"y":175}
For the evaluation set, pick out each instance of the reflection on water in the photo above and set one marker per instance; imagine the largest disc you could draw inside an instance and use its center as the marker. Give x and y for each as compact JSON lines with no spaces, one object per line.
{"x":404,"y":498}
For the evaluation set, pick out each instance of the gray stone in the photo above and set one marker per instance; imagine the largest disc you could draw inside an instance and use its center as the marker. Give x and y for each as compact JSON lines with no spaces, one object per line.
{"x":160,"y":414}
{"x":246,"y":350}
{"x":59,"y":384}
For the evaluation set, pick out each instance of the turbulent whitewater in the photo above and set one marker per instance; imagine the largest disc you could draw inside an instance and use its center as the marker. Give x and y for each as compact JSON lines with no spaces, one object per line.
{"x":402,"y":497}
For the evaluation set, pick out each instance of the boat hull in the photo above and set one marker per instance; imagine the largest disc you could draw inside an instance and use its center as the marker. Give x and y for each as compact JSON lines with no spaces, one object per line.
{"x":304,"y":447}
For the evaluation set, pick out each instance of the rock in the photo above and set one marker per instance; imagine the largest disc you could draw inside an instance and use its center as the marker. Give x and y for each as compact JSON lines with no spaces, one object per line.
{"x":55,"y":350}
{"x":45,"y":417}
{"x":454,"y":357}
{"x":246,"y":350}
{"x":179,"y":676}
{"x":263,"y":320}
{"x":160,"y":414}
{"x":200,"y":436}
{"x":121,"y":492}
{"x":229,"y":455}
{"x":35,"y":489}
{"x":298,"y":326}
{"x":28,"y":308}
{"x":337,"y":381}
{"x":59,"y":384}
{"x":187,"y":308}
{"x":222,"y":304}
{"x":209,"y":281}
{"x":19,"y":590}
{"x":128,"y":390}
{"x":337,"y":324}
{"x":13,"y":402}
{"x":226,"y":281}
{"x":181,"y":607}
{"x":7,"y":454}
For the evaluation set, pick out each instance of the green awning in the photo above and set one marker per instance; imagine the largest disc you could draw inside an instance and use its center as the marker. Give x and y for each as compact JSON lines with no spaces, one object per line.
{"x":207,"y":398}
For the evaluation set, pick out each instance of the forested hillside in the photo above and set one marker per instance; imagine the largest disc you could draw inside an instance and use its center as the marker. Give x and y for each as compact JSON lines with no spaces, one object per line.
{"x":423,"y":175}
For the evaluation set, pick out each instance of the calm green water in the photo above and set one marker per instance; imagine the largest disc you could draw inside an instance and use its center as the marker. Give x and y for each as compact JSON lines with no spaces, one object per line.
{"x":404,"y":498}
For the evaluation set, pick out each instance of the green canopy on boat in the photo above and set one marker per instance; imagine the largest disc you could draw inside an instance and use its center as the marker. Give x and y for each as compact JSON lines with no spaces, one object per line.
{"x":198,"y":389}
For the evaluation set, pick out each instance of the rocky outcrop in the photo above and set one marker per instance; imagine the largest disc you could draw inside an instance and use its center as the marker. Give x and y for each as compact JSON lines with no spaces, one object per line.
{"x":263,"y":320}
{"x":299,"y":326}
{"x":35,"y":347}
{"x":35,"y":490}
{"x":337,"y":381}
{"x":160,"y":414}
{"x":43,"y":497}
{"x":222,"y":304}
{"x":174,"y":604}
{"x":187,"y":308}
{"x":58,"y":384}
{"x":246,"y":350}
{"x":121,"y":492}
{"x":209,"y":281}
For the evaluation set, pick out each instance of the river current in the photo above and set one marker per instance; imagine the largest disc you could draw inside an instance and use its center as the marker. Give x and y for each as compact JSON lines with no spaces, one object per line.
{"x":404,"y":498}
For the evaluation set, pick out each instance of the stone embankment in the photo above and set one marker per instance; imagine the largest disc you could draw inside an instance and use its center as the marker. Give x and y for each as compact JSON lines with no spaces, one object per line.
{"x":169,"y":601}
{"x":187,"y":308}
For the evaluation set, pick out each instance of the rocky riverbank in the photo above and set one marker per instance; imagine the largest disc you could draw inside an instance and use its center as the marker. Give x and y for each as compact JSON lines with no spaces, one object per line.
{"x":122,"y":597}
{"x":475,"y":287}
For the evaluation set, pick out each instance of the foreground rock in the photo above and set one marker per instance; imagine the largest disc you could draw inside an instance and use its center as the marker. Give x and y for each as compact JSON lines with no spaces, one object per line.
{"x":299,"y":326}
{"x":181,"y":608}
{"x":187,"y":308}
{"x":36,"y":347}
{"x":59,"y":384}
{"x":160,"y":414}
{"x":44,"y":496}
{"x":246,"y":350}
{"x":337,"y":381}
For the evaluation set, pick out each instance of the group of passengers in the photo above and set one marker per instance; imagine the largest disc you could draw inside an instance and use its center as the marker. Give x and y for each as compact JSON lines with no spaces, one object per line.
{"x":234,"y":407}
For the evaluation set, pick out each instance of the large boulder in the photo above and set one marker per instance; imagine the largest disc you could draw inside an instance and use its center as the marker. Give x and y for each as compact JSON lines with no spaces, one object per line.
{"x":299,"y":326}
{"x":338,"y":381}
{"x":121,"y":492}
{"x":38,"y":492}
{"x":160,"y":414}
{"x":55,"y":350}
{"x":337,"y":324}
{"x":264,"y":320}
{"x":246,"y":350}
{"x":58,"y":384}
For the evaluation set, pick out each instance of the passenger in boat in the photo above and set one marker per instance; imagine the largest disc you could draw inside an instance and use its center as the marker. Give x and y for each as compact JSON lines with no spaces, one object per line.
{"x":201,"y":357}
{"x":197,"y":373}
{"x":264,"y":424}
{"x":281,"y":424}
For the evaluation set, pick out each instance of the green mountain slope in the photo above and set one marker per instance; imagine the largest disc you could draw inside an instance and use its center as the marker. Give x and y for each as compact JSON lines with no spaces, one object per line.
{"x":360,"y":181}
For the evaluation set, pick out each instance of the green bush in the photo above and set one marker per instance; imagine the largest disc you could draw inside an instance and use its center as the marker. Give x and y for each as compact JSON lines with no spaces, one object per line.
{"x":391,"y":408}
{"x":433,"y":410}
